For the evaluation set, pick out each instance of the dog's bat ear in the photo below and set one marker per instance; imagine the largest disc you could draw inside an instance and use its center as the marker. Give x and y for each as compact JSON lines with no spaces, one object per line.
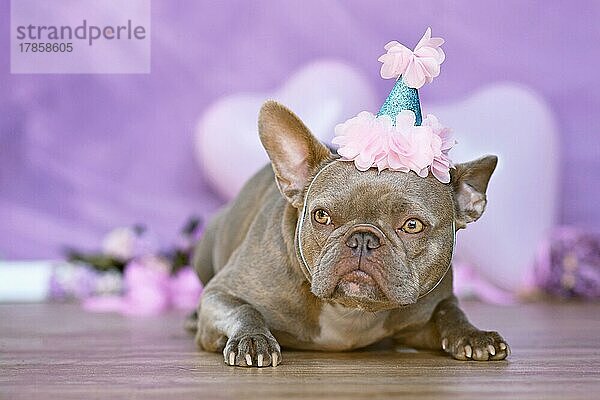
{"x":294,"y":152}
{"x":469,"y":183}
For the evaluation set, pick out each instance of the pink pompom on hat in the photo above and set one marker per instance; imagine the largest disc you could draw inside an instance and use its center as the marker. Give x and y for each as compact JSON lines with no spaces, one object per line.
{"x":398,"y":138}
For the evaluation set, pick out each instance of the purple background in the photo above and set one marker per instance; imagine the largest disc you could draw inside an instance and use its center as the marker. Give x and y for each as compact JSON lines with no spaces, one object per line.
{"x":81,"y":154}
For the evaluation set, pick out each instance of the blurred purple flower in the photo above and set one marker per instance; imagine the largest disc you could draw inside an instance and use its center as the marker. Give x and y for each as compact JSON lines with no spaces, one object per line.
{"x":568,"y":264}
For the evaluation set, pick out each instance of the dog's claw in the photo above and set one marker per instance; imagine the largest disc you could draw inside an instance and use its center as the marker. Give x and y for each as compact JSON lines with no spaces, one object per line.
{"x":231,"y":358}
{"x":491,"y":350}
{"x":445,"y":343}
{"x":502,"y":346}
{"x":468,"y":351}
{"x":248,"y":360}
{"x":274,"y":360}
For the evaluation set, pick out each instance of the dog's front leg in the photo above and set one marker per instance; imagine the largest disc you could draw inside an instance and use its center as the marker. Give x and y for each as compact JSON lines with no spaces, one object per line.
{"x":232,"y":324}
{"x":463,"y":340}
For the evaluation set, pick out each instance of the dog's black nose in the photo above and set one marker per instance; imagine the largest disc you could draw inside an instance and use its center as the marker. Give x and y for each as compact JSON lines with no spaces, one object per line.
{"x":363,"y":241}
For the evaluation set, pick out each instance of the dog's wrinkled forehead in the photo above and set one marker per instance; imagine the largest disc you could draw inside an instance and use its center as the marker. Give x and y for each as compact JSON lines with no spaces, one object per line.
{"x":343,"y":190}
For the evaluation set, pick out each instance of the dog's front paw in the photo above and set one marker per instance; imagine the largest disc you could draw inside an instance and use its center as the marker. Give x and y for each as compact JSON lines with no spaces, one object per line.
{"x":476,"y":345}
{"x":252,"y":350}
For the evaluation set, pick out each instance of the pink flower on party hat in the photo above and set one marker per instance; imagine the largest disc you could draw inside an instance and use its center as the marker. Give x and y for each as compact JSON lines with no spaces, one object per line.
{"x":441,"y":164}
{"x":418,"y":66}
{"x":410,"y":146}
{"x":363,"y":139}
{"x":373,"y":141}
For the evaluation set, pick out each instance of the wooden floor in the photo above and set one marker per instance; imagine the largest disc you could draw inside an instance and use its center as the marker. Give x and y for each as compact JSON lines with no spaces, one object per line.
{"x":61,"y":352}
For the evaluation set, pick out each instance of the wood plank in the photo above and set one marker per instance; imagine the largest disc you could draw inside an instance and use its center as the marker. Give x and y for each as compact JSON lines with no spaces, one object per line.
{"x":58,"y":351}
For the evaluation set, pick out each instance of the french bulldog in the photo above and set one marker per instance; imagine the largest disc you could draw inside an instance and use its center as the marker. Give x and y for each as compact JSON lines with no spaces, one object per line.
{"x":314,"y":254}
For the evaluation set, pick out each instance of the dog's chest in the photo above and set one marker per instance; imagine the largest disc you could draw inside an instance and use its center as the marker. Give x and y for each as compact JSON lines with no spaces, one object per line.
{"x":345,"y":328}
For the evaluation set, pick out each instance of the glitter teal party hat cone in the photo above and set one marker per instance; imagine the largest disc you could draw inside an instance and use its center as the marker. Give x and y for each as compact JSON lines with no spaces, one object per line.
{"x":402,"y":97}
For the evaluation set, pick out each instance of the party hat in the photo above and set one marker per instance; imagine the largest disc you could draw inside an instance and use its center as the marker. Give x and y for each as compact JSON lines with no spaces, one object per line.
{"x":398,"y":137}
{"x":402,"y":97}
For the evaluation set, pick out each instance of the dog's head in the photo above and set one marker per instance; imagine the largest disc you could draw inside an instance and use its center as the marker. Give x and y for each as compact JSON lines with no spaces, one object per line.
{"x":372,"y":240}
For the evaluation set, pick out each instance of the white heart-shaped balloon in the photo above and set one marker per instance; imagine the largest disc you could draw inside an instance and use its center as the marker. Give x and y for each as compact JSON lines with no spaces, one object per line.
{"x":322,"y":94}
{"x":516,"y":125}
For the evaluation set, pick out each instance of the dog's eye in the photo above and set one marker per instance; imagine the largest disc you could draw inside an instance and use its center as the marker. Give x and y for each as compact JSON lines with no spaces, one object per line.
{"x":322,"y":217}
{"x":412,"y":225}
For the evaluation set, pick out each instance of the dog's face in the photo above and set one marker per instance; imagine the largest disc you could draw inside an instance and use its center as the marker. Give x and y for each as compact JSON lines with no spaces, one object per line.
{"x":376,"y":240}
{"x":371,"y":240}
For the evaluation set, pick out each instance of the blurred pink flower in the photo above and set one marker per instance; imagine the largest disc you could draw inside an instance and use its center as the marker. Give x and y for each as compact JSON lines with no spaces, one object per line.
{"x":416,"y":67}
{"x":146,"y":282}
{"x":150,"y":289}
{"x":185,"y":289}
